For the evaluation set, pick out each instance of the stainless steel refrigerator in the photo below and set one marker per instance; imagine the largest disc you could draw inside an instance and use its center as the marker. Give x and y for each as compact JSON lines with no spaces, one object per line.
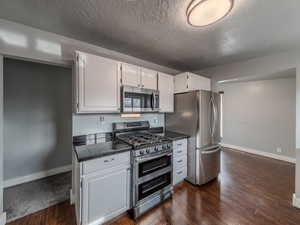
{"x":197,"y":114}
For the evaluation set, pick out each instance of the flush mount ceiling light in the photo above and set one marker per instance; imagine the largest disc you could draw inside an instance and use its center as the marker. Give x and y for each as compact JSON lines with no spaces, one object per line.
{"x":205,"y":12}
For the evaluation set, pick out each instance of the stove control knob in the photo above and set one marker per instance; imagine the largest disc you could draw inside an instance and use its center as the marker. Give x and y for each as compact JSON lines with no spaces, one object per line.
{"x":141,"y":152}
{"x":147,"y":150}
{"x":164,"y":147}
{"x":156,"y":149}
{"x":169,"y":146}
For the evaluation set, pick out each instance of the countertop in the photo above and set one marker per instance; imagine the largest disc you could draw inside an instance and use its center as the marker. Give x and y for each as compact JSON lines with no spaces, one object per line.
{"x":87,"y":152}
{"x":173,"y":136}
{"x":92,"y":151}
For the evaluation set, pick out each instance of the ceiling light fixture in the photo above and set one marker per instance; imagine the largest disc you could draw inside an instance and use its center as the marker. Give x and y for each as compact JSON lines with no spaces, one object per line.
{"x":205,"y":12}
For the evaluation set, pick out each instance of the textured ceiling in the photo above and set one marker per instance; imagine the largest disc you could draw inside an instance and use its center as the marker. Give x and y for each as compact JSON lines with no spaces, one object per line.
{"x":157,"y":31}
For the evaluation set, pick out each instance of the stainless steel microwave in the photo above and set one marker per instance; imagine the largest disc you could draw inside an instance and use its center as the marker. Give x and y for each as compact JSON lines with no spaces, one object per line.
{"x":139,"y":99}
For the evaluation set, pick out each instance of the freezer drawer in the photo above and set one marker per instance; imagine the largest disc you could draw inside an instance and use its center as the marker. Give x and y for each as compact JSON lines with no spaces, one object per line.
{"x":208,"y":164}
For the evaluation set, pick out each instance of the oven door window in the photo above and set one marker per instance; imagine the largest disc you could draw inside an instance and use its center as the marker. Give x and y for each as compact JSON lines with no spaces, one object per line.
{"x":154,"y":185}
{"x":154,"y":165}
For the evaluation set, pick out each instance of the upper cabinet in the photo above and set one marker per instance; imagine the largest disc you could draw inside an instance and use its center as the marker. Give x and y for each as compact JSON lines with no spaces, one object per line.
{"x":166,"y":92}
{"x":97,"y":84}
{"x":188,"y":82}
{"x":138,"y":77}
{"x":131,"y":75}
{"x":148,"y":78}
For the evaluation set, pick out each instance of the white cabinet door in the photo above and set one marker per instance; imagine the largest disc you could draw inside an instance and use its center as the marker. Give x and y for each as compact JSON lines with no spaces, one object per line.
{"x":166,"y":92}
{"x":131,"y":75}
{"x":148,"y":79}
{"x":98,"y":84}
{"x":105,"y":196}
{"x":181,"y":83}
{"x":196,"y":82}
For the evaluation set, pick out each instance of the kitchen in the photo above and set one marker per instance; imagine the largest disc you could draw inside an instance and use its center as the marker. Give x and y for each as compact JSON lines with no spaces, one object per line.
{"x":121,"y":132}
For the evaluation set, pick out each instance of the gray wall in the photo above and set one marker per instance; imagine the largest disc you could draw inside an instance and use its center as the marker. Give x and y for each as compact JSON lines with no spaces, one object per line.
{"x":261,"y":115}
{"x":1,"y":134}
{"x":89,"y":124}
{"x":37,"y":117}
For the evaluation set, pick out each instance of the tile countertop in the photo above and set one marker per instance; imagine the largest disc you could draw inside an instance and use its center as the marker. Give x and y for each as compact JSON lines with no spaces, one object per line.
{"x":87,"y":152}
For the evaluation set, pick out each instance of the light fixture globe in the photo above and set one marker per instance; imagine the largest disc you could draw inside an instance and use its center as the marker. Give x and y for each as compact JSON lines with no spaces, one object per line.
{"x":205,"y":12}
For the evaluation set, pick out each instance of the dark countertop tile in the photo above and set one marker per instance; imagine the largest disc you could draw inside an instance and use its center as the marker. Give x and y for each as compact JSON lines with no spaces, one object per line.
{"x":88,"y":152}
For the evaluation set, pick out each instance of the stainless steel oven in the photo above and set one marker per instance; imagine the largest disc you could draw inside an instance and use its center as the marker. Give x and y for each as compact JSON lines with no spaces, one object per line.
{"x":139,"y":99}
{"x":152,"y":178}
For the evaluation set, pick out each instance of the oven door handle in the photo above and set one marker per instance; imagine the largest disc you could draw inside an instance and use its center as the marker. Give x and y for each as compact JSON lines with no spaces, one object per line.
{"x":154,"y":168}
{"x":153,"y":187}
{"x":153,"y":157}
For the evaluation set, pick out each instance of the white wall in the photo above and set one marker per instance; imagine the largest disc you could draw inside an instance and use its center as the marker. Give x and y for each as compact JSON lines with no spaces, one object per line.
{"x":265,"y":65}
{"x":261,"y":115}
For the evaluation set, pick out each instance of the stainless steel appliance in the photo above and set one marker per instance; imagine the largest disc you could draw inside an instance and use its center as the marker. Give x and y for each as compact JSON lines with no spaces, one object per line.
{"x":139,"y":99}
{"x":197,"y":114}
{"x":152,"y":165}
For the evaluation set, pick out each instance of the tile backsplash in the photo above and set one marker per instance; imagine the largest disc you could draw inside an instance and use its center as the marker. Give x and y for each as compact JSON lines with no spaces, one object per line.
{"x":89,"y":124}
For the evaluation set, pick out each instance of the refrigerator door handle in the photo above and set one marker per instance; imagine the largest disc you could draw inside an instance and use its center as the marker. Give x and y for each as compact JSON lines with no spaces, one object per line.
{"x":215,"y":114}
{"x":210,"y":152}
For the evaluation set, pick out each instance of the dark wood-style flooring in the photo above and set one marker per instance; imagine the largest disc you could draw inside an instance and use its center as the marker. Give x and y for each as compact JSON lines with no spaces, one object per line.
{"x":251,"y":190}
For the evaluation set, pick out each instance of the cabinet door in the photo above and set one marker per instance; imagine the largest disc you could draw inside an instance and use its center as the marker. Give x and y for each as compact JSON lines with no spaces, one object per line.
{"x":131,"y":75}
{"x":196,"y":82}
{"x":148,"y":79}
{"x":166,"y":92}
{"x":98,"y":84}
{"x":181,"y":84}
{"x":105,"y":196}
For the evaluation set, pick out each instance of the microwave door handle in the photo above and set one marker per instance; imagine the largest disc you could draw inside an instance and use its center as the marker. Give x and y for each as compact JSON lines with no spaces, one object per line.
{"x":153,"y":101}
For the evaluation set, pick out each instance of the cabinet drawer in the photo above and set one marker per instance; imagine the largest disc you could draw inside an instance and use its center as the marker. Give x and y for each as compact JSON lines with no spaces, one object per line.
{"x":106,"y":162}
{"x":180,"y":162}
{"x":179,"y":175}
{"x":180,"y":144}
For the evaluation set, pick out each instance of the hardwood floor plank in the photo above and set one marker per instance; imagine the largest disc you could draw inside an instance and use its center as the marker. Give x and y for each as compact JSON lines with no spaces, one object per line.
{"x":251,"y":190}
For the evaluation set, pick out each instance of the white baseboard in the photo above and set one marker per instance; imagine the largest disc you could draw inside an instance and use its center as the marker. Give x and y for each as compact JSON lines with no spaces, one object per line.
{"x":36,"y":176}
{"x":296,"y":201}
{"x":261,"y":153}
{"x":72,"y":197}
{"x":3,"y":218}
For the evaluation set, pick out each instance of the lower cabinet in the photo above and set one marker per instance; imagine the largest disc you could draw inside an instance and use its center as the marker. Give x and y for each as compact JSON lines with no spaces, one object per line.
{"x":104,"y":193}
{"x":179,"y":160}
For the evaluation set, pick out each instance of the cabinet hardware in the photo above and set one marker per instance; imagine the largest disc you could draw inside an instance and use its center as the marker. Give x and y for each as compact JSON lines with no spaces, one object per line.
{"x":179,"y":161}
{"x":179,"y":172}
{"x":179,"y":151}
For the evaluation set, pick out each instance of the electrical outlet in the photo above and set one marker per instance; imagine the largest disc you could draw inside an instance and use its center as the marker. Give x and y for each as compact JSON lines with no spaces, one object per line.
{"x":279,"y":150}
{"x":101,"y":118}
{"x":155,"y":121}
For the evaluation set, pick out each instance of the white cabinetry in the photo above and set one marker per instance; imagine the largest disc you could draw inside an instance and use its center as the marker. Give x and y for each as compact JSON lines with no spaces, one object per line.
{"x":148,"y":78}
{"x":131,"y":75}
{"x":97,"y":84}
{"x":166,"y":92}
{"x":104,"y":189}
{"x":188,"y":82}
{"x":138,"y":77}
{"x":179,"y":160}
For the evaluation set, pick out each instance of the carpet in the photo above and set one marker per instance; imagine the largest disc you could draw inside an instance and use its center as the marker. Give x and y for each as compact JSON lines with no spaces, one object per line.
{"x":27,"y":198}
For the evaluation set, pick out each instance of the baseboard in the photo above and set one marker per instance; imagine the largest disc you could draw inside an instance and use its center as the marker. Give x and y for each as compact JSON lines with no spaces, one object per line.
{"x":261,"y":153}
{"x":3,"y":218}
{"x":296,"y":201}
{"x":36,"y":176}
{"x":72,"y":197}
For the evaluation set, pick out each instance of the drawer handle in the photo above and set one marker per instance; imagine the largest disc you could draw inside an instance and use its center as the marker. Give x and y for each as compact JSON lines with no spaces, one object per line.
{"x":107,"y":161}
{"x":179,"y":161}
{"x":179,"y":144}
{"x":179,"y":172}
{"x":179,"y":151}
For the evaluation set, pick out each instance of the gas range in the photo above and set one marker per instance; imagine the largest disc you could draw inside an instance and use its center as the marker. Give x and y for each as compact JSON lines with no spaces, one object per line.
{"x":145,"y":143}
{"x":152,"y":165}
